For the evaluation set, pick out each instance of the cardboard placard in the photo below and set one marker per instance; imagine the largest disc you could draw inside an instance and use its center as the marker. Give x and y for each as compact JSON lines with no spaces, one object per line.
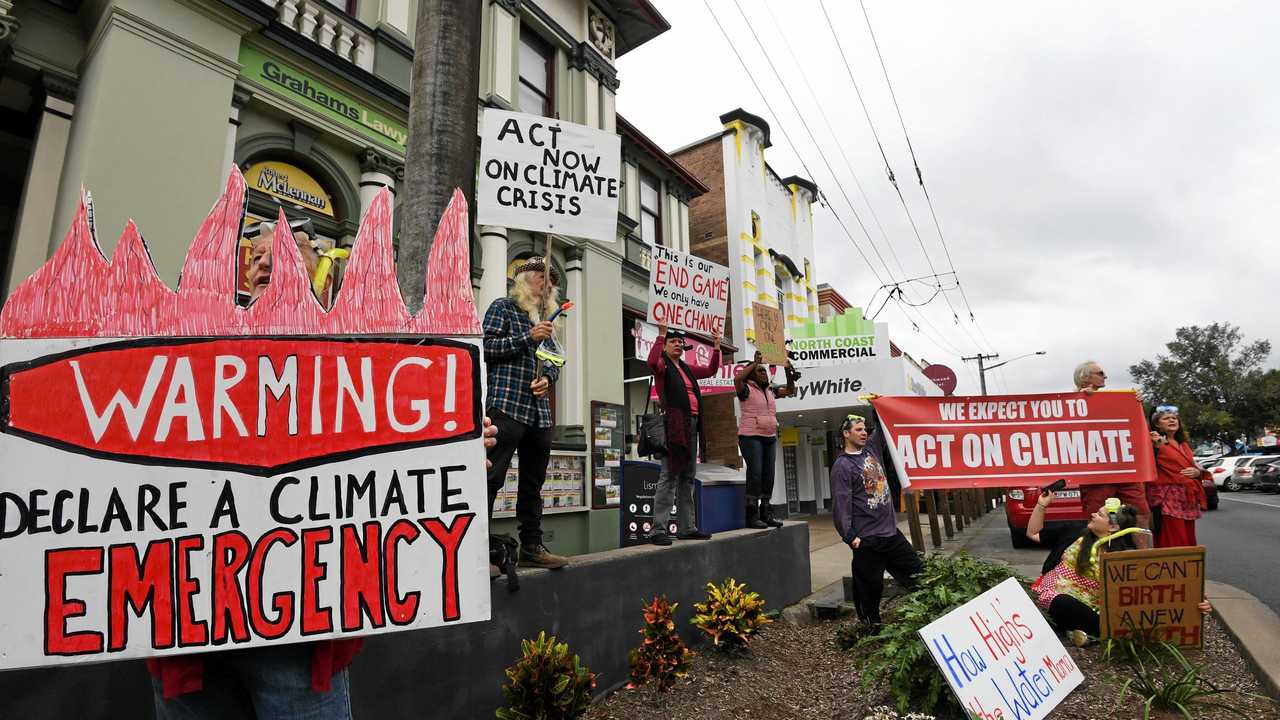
{"x":1154,"y":591}
{"x":539,"y":173}
{"x":1000,"y":657}
{"x":687,"y":292}
{"x":771,"y":338}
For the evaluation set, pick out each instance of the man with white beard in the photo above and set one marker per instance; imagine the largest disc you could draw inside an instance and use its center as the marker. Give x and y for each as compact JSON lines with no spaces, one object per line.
{"x":518,"y":401}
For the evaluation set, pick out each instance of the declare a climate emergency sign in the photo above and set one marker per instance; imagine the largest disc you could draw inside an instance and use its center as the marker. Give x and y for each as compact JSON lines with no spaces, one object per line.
{"x":1012,"y":440}
{"x":168,"y":495}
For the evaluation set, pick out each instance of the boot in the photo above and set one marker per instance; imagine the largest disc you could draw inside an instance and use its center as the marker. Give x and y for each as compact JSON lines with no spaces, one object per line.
{"x":766,"y":515}
{"x":538,"y":556}
{"x":753,"y":516}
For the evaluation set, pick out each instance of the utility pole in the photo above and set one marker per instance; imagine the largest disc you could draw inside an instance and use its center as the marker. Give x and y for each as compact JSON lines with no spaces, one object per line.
{"x":441,"y":148}
{"x":982,"y":370}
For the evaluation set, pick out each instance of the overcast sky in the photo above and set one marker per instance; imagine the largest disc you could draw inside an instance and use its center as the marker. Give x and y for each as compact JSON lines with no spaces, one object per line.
{"x":1103,"y":172}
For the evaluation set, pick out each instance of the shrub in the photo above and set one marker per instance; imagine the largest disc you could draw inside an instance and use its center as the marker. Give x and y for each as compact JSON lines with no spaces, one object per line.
{"x":1171,"y":684}
{"x":662,"y":657}
{"x":896,"y":652}
{"x":730,"y":615}
{"x":546,"y":683}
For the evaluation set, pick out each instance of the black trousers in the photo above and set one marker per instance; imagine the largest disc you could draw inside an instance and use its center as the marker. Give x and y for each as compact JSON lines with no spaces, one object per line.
{"x":871,"y":559}
{"x":1069,"y":613}
{"x":759,"y":454}
{"x":534,"y":446}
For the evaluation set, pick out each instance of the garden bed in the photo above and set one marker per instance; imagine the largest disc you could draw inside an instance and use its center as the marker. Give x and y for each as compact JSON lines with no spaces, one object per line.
{"x":798,"y":672}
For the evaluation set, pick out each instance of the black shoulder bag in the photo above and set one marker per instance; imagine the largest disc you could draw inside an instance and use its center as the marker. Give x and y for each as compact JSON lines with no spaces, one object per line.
{"x":652,"y":440}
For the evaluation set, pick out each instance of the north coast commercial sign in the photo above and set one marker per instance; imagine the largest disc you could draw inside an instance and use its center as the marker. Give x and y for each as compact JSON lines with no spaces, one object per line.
{"x":290,"y":83}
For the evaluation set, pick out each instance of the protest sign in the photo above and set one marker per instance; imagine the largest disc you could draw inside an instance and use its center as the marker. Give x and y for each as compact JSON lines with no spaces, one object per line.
{"x":185,"y":475}
{"x":1000,"y":657}
{"x":1154,"y":592}
{"x":771,"y":339}
{"x":687,"y":292}
{"x":547,"y":175}
{"x":1004,"y":440}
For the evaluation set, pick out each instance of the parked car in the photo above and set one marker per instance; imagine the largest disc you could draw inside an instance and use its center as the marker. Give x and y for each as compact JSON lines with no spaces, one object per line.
{"x":1266,"y":476}
{"x":1019,"y":503}
{"x":1242,"y":476}
{"x":1222,"y":468}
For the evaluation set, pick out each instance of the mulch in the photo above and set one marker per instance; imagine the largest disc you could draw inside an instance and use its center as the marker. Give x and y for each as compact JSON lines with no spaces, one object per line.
{"x":798,"y":672}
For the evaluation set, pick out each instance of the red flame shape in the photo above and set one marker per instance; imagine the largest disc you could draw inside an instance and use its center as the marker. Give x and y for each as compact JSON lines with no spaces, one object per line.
{"x":77,"y":293}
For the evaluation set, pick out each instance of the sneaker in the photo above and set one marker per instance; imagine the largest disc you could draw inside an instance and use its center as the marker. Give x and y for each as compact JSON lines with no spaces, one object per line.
{"x":538,"y":556}
{"x":693,"y":535}
{"x":1078,"y":638}
{"x":660,"y":539}
{"x":494,"y":572}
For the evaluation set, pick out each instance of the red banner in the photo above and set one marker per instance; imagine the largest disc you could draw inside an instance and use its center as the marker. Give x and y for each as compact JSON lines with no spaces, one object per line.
{"x":1012,"y":440}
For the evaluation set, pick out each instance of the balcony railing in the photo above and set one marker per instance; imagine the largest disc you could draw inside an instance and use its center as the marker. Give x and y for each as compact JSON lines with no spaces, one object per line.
{"x":328,"y":27}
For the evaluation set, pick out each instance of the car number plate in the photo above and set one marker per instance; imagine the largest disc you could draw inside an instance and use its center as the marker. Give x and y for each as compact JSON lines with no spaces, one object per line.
{"x":1068,"y":494}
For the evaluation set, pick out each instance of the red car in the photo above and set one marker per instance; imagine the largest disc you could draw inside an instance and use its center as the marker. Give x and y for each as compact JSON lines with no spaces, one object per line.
{"x":1019,"y":503}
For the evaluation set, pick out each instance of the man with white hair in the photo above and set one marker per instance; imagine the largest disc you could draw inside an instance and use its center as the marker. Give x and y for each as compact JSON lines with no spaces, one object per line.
{"x":518,"y":400}
{"x":1090,"y":378}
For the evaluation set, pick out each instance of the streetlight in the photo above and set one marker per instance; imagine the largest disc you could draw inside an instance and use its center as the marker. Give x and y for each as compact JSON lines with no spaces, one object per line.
{"x":983,"y":368}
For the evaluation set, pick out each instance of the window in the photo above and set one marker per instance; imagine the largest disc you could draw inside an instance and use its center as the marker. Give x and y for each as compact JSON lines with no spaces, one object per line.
{"x":650,"y":209}
{"x":347,"y":6}
{"x":536,"y":87}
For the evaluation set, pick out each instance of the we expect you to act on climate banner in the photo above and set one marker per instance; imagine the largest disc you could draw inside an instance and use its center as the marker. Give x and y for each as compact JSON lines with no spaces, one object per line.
{"x":546,"y":175}
{"x":1003,"y":440}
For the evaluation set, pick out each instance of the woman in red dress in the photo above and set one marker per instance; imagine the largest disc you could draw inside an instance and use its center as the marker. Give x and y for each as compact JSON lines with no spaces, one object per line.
{"x":1176,"y":490}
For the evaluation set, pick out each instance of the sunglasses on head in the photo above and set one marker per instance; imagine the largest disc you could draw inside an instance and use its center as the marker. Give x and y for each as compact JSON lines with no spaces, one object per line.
{"x":1167,"y":409}
{"x":852,"y":419}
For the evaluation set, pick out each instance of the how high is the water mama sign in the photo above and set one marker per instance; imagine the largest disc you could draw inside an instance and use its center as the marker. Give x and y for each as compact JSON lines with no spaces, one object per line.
{"x":184,"y":475}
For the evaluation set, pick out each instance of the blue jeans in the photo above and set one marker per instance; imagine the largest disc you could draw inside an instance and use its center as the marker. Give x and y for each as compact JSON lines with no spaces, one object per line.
{"x":759,"y":454}
{"x":267,"y":683}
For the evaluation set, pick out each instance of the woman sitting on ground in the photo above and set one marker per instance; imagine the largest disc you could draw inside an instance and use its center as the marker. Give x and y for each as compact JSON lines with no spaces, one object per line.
{"x":1072,"y":591}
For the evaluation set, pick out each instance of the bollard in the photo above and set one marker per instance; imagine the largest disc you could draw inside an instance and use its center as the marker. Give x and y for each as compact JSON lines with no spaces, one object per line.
{"x":944,"y":506}
{"x":931,"y":505}
{"x":913,"y":519}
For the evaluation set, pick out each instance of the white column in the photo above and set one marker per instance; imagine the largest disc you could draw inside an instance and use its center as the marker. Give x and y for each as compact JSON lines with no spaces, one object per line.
{"x":572,"y":384}
{"x":34,"y":229}
{"x":238,"y":100}
{"x":493,"y":281}
{"x":377,"y":171}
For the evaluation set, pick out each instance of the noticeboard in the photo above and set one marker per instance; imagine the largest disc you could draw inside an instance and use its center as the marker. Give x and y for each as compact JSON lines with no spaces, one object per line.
{"x":608,"y":445}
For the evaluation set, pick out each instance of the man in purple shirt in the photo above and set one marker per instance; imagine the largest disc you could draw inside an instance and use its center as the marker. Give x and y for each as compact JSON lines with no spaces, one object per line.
{"x":863,"y":508}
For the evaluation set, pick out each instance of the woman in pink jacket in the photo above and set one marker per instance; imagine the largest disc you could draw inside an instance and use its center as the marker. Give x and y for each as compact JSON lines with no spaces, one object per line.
{"x":758,"y":435}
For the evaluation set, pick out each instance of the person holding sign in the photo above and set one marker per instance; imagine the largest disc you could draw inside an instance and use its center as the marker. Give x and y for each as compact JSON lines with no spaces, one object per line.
{"x":677,"y":385}
{"x":1072,"y":591}
{"x":1089,"y":379}
{"x":1177,"y":490}
{"x":758,"y":435}
{"x":862,"y":506}
{"x":518,"y":400}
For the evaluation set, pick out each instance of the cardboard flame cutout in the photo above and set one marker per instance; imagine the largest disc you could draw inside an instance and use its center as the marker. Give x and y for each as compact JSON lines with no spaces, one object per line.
{"x":78,"y":293}
{"x":147,"y":434}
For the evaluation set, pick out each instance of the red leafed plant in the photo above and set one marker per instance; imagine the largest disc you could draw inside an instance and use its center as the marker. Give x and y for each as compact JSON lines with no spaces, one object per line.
{"x":662,"y":658}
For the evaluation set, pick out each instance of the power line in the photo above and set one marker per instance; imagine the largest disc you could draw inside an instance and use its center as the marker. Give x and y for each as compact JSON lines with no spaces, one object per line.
{"x":794,"y":148}
{"x":800,"y":116}
{"x":915,"y":163}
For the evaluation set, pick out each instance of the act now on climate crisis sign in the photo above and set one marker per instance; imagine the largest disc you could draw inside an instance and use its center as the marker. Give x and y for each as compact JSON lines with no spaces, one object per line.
{"x":943,"y":443}
{"x":546,"y":175}
{"x":1000,"y":657}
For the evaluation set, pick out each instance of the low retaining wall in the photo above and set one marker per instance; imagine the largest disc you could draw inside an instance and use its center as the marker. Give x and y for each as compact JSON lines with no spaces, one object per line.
{"x":456,"y":672}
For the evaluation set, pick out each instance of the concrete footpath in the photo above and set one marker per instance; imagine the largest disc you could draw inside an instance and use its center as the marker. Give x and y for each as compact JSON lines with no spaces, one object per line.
{"x":1254,"y":626}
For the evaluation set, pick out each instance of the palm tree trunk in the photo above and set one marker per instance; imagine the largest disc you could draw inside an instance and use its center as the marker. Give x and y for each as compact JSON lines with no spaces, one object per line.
{"x":441,"y":152}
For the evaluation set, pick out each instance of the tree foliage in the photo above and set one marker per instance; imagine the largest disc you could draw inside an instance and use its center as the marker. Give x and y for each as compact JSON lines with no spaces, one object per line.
{"x":1217,"y":381}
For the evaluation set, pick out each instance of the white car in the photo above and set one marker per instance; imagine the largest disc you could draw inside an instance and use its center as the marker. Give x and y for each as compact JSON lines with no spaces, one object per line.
{"x":1222,"y":468}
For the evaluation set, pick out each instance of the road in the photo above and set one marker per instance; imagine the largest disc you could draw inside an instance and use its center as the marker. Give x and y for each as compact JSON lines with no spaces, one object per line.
{"x":1242,"y":543}
{"x":1241,"y":539}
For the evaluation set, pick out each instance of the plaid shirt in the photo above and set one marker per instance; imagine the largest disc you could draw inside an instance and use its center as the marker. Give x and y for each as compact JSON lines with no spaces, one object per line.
{"x":508,"y":353}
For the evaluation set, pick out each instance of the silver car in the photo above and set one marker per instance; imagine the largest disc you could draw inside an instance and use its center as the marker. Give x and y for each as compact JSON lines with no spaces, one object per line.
{"x":1242,"y":475}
